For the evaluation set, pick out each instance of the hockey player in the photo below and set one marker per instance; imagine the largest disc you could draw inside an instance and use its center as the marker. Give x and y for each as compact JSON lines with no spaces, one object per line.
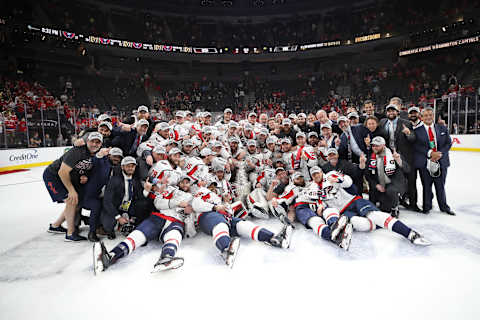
{"x":215,"y":220}
{"x":363,"y":214}
{"x":303,"y":156}
{"x":167,"y":168}
{"x":197,"y":167}
{"x":165,"y":223}
{"x":161,"y":133}
{"x":310,"y":212}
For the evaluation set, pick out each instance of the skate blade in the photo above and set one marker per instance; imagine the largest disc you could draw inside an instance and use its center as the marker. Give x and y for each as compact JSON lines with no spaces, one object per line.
{"x":287,"y":238}
{"x":232,"y":251}
{"x":342,"y":221}
{"x":422,"y":242}
{"x":347,"y":239}
{"x":171,"y":265}
{"x":97,"y":260}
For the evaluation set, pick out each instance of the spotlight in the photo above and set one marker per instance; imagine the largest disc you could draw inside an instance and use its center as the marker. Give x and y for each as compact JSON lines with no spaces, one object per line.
{"x":227,"y":3}
{"x":444,"y":29}
{"x":258,"y":3}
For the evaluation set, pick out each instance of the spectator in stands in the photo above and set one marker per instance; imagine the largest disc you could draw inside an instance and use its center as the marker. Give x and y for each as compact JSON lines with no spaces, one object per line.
{"x":35,"y":140}
{"x":48,"y":140}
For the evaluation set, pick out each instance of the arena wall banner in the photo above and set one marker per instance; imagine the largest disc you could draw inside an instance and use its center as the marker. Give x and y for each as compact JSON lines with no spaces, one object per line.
{"x":466,"y":142}
{"x":14,"y":159}
{"x":448,"y":44}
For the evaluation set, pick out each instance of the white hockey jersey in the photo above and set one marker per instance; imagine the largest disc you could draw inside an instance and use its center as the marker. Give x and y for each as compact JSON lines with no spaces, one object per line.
{"x":162,"y":169}
{"x":166,"y":203}
{"x":196,"y":169}
{"x":334,"y":194}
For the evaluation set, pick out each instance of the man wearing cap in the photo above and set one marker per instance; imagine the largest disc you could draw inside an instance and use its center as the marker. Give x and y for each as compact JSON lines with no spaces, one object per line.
{"x":386,"y":174}
{"x":400,"y":138}
{"x":431,"y":157}
{"x":106,"y":163}
{"x":129,"y":141}
{"x":65,"y":178}
{"x":161,"y":133}
{"x":123,"y":200}
{"x":327,"y":138}
{"x":197,"y":167}
{"x":354,"y":118}
{"x":227,"y":117}
{"x":142,"y":113}
{"x":414,"y":117}
{"x":355,"y":171}
{"x":399,"y":103}
{"x":104,"y":127}
{"x":287,"y":131}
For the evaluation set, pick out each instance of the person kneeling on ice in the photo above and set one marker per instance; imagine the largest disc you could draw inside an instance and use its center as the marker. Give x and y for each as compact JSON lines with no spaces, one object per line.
{"x":215,"y":219}
{"x":167,"y":224}
{"x":310,"y":211}
{"x":363,"y":214}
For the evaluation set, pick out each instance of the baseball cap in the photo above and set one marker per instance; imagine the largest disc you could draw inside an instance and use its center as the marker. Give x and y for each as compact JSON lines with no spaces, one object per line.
{"x":159,"y":150}
{"x":207,"y":114}
{"x":142,"y":122}
{"x":271,"y":139}
{"x":292,"y":116}
{"x":187,"y":142}
{"x":234,"y":139}
{"x":252,"y":114}
{"x":352,"y":115}
{"x":227,"y":110}
{"x":413,"y":109}
{"x":142,"y":108}
{"x":378,"y":141}
{"x":248,"y":126}
{"x":206,"y":152}
{"x":300,"y":134}
{"x":314,"y":170}
{"x":302,"y":115}
{"x":233,"y":124}
{"x":286,"y":121}
{"x":312,"y":133}
{"x":163,"y":126}
{"x":174,"y":151}
{"x":251,"y":143}
{"x":264,"y":131}
{"x":180,"y":113}
{"x":128,"y":160}
{"x":296,"y":175}
{"x":326,"y":125}
{"x":95,"y":135}
{"x":285,"y":140}
{"x":332,"y":150}
{"x":342,"y":118}
{"x":106,"y":124}
{"x":391,"y":106}
{"x":116,"y":152}
{"x":104,"y":117}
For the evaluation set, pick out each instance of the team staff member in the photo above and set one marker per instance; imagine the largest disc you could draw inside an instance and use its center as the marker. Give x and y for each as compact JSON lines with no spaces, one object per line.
{"x":64,"y":180}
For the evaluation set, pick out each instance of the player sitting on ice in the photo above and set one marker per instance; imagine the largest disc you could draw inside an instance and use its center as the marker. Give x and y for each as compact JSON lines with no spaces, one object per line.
{"x":310,"y":212}
{"x":257,"y":199}
{"x":217,"y":220}
{"x":363,"y":214}
{"x":167,"y":168}
{"x":166,"y":223}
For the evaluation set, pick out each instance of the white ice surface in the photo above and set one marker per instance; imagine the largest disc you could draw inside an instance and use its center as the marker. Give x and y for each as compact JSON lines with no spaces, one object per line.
{"x":383,"y":276}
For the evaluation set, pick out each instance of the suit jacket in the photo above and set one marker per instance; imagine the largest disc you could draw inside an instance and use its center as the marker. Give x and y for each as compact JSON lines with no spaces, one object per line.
{"x":115,"y":191}
{"x":125,"y":139}
{"x":421,"y":146}
{"x":97,"y":180}
{"x":358,"y":134}
{"x":403,"y":143}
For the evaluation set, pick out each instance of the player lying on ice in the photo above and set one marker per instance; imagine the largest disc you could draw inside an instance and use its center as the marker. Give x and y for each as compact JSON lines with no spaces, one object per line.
{"x":361,"y":213}
{"x":309,"y":210}
{"x":220,"y":221}
{"x":167,"y":224}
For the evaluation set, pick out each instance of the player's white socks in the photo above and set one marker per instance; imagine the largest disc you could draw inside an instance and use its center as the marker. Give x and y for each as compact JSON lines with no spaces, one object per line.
{"x":362,"y":224}
{"x":382,"y":219}
{"x":248,"y":229}
{"x":134,"y":240}
{"x":221,"y":236}
{"x":319,"y":227}
{"x":330,"y":215}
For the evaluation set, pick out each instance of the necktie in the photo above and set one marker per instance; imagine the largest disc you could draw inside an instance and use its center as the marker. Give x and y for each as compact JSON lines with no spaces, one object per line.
{"x":130,"y":189}
{"x":431,"y":139}
{"x":392,"y":135}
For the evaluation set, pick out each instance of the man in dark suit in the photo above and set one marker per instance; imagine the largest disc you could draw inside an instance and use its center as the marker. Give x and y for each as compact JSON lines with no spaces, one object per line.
{"x":369,"y":110}
{"x":352,"y":141}
{"x":129,"y":141}
{"x":124,"y":202}
{"x":400,"y":138}
{"x":103,"y":169}
{"x":431,"y":158}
